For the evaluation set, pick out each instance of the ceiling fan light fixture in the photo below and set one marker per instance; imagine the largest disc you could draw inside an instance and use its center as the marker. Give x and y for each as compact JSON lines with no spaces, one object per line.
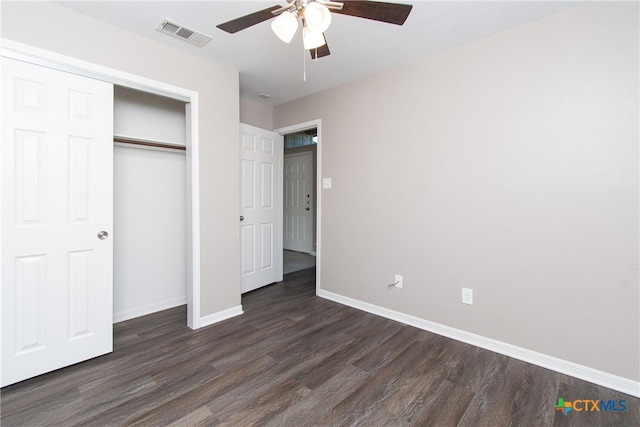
{"x":312,"y":39}
{"x":285,"y":26}
{"x":317,"y":17}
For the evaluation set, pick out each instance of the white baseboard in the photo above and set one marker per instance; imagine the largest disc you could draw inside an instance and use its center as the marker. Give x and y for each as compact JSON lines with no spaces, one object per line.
{"x":585,"y":373}
{"x":121,"y":316}
{"x":220,"y":316}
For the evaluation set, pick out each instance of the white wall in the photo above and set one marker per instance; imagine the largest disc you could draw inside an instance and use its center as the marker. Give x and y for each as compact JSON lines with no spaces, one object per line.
{"x":149,"y":239}
{"x":149,"y":259}
{"x":58,"y":29}
{"x":508,"y":165}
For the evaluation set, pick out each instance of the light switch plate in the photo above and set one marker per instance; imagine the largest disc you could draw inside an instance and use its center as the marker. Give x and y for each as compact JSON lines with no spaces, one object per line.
{"x":326,"y":182}
{"x":467,"y":296}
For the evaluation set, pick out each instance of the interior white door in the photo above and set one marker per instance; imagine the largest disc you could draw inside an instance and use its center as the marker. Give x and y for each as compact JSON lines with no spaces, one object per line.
{"x":57,"y":175}
{"x":260,"y":207}
{"x":298,"y":202}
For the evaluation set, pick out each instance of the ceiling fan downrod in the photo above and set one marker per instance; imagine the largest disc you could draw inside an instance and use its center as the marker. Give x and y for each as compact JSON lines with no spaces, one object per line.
{"x":298,"y":6}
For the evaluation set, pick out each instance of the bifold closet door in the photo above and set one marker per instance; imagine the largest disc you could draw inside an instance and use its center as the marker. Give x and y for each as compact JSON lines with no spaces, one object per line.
{"x":57,"y":215}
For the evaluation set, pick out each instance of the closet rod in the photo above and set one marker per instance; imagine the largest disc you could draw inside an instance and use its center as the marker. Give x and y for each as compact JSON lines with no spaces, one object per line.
{"x":147,"y":143}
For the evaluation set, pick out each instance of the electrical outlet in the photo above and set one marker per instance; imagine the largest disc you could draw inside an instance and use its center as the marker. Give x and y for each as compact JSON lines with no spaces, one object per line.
{"x":398,"y":281}
{"x":467,"y":296}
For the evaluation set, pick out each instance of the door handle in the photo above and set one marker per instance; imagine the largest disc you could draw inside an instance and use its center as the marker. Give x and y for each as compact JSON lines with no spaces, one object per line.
{"x":241,"y":218}
{"x":103,"y":235}
{"x":306,"y":209}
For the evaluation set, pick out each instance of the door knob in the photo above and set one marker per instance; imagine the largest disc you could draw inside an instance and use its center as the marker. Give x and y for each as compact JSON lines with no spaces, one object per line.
{"x":306,"y":209}
{"x":103,"y":235}
{"x":241,"y":218}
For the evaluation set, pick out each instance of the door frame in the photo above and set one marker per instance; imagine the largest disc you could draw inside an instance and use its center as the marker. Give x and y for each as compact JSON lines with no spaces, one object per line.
{"x":37,"y":56}
{"x":299,"y":128}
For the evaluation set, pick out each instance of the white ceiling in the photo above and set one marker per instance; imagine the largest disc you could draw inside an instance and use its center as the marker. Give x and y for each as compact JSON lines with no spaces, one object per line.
{"x":359,"y":47}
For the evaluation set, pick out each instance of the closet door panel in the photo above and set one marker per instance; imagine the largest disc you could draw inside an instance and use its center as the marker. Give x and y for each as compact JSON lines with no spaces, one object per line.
{"x":57,"y":199}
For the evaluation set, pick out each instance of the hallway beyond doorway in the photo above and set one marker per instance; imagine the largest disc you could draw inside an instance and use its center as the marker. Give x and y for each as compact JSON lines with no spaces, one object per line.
{"x":295,"y":261}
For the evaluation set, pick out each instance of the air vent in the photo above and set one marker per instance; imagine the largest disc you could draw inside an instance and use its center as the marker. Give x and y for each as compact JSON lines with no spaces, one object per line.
{"x":182,"y":32}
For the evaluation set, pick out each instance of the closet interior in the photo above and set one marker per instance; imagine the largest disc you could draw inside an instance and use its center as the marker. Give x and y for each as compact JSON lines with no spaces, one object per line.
{"x":150,"y":262}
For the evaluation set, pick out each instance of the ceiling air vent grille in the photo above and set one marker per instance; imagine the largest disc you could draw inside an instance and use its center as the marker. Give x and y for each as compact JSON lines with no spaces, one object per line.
{"x":182,"y":32}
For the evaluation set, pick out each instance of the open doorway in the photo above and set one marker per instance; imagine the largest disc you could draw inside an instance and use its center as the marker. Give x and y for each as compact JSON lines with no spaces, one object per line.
{"x":300,"y":200}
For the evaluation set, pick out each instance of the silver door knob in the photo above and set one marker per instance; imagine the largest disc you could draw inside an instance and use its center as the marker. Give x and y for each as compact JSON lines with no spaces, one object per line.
{"x":241,"y":218}
{"x":103,"y":235}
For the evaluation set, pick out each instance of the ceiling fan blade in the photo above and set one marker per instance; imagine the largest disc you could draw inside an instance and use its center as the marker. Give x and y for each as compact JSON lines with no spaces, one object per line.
{"x":247,"y":21}
{"x":392,"y":13}
{"x":320,"y":51}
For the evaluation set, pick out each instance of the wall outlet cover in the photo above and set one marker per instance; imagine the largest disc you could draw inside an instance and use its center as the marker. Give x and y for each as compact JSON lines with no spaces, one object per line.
{"x":398,"y":281}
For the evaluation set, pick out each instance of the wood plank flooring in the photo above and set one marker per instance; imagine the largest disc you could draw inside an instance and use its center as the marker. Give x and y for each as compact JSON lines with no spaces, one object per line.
{"x":294,"y":359}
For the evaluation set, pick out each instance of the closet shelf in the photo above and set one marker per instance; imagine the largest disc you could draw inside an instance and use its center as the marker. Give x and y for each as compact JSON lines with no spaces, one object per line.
{"x":147,"y":142}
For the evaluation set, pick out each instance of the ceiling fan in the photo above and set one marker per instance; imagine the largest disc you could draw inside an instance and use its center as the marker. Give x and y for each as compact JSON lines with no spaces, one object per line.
{"x":315,"y":16}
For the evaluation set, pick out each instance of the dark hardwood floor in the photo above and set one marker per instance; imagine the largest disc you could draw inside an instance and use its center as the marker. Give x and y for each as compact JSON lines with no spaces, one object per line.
{"x":294,"y":359}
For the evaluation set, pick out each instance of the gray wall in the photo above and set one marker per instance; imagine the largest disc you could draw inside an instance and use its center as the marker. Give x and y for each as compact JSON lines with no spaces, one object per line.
{"x":508,"y":165}
{"x":56,"y":28}
{"x":256,"y":113}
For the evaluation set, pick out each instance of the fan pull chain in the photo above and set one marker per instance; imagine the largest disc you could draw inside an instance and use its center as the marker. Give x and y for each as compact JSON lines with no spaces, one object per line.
{"x":304,"y":68}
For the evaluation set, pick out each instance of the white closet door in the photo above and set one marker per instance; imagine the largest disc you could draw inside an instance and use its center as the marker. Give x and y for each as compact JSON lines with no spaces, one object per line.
{"x":57,"y":197}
